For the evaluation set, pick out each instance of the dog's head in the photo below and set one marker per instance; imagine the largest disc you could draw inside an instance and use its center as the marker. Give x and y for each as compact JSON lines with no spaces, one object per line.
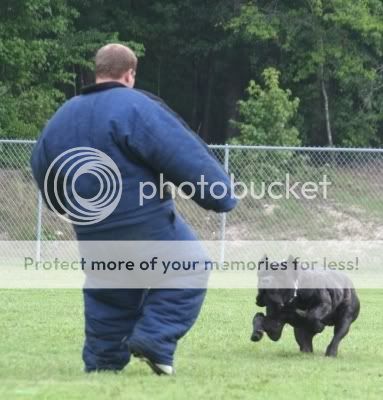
{"x":276,"y":282}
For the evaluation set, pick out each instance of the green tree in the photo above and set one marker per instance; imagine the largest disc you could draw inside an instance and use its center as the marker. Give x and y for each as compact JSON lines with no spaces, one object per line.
{"x":335,"y":47}
{"x":41,"y":54}
{"x":27,"y":61}
{"x":200,"y":56}
{"x":266,"y":117}
{"x":330,"y":53}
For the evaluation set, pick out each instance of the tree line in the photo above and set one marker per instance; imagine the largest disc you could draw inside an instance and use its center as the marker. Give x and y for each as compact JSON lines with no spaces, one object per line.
{"x":245,"y":71}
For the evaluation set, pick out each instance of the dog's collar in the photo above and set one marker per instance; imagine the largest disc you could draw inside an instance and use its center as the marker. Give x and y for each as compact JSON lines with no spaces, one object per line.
{"x":295,"y":293}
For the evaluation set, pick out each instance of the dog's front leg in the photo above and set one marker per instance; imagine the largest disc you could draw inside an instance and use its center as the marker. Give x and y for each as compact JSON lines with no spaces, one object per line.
{"x":258,"y":328}
{"x":317,"y":314}
{"x":311,"y":324}
{"x":262,"y":323}
{"x":304,"y":339}
{"x":273,"y":328}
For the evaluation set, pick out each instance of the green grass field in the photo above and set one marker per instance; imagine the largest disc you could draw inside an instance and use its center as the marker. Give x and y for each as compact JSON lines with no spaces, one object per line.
{"x":42,"y":333}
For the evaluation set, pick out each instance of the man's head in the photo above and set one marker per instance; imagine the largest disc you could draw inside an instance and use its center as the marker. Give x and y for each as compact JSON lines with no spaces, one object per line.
{"x":115,"y":62}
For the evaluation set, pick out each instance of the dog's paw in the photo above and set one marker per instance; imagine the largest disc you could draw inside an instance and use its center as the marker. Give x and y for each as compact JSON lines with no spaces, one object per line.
{"x":256,"y":336}
{"x":318,"y":326}
{"x":331,"y":352}
{"x":306,"y":349}
{"x":274,"y":335}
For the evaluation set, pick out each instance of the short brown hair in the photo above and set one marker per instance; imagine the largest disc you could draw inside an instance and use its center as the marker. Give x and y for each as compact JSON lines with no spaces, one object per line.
{"x":113,"y":60}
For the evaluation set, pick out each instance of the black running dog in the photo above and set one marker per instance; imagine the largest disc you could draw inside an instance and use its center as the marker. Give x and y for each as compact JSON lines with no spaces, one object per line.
{"x":307,"y":307}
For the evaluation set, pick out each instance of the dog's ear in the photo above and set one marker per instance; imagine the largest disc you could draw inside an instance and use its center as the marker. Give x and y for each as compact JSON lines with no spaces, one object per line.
{"x":290,"y":263}
{"x":262,"y":265}
{"x":290,"y":259}
{"x":292,"y":266}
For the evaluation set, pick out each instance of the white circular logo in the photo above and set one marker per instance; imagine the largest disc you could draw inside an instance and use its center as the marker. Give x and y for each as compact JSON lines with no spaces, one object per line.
{"x":66,"y":170}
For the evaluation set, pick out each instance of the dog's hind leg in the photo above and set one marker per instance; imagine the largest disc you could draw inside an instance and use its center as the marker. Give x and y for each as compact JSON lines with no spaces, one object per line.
{"x":341,"y":329}
{"x":304,"y":339}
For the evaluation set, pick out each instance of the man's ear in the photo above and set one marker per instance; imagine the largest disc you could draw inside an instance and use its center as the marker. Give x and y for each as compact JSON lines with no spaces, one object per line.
{"x":129,"y":78}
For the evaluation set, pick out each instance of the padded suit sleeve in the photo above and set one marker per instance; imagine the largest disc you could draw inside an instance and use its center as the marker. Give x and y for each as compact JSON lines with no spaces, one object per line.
{"x":161,"y":141}
{"x":40,"y":165}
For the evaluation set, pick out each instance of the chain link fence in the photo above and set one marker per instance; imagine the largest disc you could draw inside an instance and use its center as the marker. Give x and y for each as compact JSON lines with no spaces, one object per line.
{"x":351,"y":210}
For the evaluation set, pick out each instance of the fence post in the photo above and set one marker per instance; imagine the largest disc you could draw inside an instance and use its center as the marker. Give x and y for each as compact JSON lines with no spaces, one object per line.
{"x":38,"y":226}
{"x":223,"y":215}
